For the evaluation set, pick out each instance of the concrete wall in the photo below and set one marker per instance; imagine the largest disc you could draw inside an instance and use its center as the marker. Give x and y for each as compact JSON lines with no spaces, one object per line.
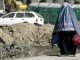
{"x":49,"y":1}
{"x":34,"y":1}
{"x":1,"y":5}
{"x":71,"y":1}
{"x":58,"y":1}
{"x":55,"y":1}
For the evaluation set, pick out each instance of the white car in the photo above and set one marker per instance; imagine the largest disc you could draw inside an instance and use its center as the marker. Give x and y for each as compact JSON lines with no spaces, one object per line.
{"x":21,"y":17}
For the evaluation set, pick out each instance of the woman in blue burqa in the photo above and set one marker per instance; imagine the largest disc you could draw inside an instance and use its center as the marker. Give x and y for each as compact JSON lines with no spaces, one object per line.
{"x":65,"y":28}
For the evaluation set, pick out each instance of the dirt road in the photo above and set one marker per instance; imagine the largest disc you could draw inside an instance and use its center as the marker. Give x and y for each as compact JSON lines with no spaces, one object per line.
{"x":43,"y":57}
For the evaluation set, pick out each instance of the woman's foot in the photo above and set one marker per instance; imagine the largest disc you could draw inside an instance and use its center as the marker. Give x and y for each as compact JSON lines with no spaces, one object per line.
{"x":73,"y":55}
{"x":61,"y":55}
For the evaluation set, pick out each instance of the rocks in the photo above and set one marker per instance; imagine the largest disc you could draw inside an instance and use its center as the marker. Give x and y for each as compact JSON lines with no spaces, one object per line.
{"x":5,"y":37}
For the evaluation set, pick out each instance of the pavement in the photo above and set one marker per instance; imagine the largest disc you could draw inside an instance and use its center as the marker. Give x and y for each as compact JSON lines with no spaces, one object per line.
{"x":44,"y":57}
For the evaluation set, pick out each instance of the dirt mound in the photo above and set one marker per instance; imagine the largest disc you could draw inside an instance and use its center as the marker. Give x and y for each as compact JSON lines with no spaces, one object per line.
{"x":26,"y":33}
{"x":22,"y":39}
{"x":26,"y":40}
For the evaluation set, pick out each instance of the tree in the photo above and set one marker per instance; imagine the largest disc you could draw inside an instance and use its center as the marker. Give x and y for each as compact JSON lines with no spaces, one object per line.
{"x":26,"y":1}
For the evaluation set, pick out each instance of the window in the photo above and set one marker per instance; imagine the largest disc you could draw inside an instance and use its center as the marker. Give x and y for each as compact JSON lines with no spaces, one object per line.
{"x":11,"y":15}
{"x":39,"y":15}
{"x":29,"y":15}
{"x":20,"y":15}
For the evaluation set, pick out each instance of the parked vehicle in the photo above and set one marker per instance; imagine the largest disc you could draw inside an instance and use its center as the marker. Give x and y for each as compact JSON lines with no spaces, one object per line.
{"x":21,"y":17}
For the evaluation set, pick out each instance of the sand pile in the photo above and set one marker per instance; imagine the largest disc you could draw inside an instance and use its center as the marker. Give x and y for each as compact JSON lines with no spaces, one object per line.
{"x":26,"y":33}
{"x":26,"y":40}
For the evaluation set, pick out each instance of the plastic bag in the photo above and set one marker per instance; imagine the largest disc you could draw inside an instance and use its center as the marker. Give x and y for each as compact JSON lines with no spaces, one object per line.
{"x":76,"y":39}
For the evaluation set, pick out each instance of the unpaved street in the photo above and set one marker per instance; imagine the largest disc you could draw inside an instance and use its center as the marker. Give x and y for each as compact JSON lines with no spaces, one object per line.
{"x":43,"y":57}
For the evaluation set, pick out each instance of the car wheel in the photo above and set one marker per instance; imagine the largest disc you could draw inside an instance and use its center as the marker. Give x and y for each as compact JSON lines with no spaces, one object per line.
{"x":37,"y":24}
{"x":25,"y":22}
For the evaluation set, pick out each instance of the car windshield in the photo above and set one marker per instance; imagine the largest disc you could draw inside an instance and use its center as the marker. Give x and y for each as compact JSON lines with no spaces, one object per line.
{"x":11,"y":15}
{"x":39,"y":15}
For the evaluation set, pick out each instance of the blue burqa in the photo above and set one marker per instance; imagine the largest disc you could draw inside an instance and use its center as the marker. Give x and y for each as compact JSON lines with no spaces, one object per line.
{"x":66,"y":21}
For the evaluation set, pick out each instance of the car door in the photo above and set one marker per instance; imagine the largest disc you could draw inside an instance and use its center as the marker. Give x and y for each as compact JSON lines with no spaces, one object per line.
{"x":7,"y":19}
{"x":19,"y":17}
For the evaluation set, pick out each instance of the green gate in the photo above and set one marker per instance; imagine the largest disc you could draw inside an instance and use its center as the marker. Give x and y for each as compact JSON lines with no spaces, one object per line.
{"x":50,"y":14}
{"x":33,"y":8}
{"x":77,"y":12}
{"x":45,"y":13}
{"x":53,"y":15}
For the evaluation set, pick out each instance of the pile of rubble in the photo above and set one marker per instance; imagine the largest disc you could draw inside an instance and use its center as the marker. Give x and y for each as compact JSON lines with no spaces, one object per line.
{"x":25,"y":40}
{"x":27,"y":34}
{"x":22,"y":39}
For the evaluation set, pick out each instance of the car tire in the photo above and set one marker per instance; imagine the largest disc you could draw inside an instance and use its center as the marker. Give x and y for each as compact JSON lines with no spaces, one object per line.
{"x":37,"y":24}
{"x":25,"y":22}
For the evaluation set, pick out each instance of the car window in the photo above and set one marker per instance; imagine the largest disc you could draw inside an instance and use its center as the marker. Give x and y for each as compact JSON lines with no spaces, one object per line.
{"x":11,"y":15}
{"x":39,"y":15}
{"x":29,"y":15}
{"x":20,"y":15}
